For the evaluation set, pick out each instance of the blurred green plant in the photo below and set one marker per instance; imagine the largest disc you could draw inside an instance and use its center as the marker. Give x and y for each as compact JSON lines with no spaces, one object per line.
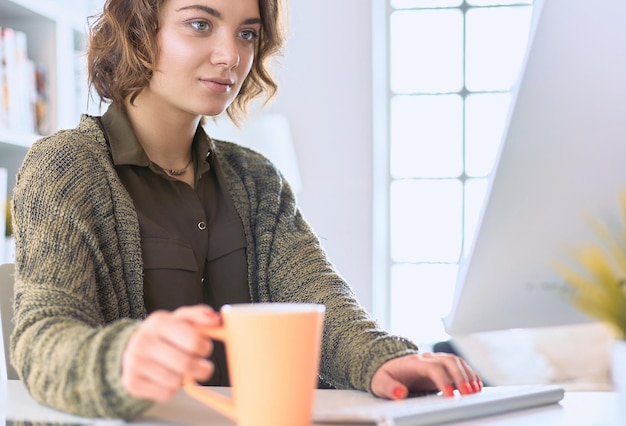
{"x":597,"y":274}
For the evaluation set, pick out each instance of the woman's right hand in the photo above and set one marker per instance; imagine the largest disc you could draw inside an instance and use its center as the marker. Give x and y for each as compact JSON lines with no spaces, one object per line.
{"x":166,"y":347}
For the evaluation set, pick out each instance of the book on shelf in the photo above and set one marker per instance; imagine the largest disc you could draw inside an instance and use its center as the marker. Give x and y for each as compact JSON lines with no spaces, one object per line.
{"x":7,"y":242}
{"x":4,"y":80}
{"x":24,"y":100}
{"x":42,"y":121}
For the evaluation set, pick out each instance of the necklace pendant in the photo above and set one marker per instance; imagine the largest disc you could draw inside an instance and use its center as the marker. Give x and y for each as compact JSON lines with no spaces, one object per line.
{"x":177,"y":172}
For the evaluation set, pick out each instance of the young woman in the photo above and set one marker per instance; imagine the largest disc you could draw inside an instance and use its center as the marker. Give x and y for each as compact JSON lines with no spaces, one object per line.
{"x":135,"y":227}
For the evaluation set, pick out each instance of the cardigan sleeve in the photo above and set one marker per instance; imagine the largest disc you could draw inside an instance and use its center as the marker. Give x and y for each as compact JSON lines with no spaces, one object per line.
{"x":353,"y":347}
{"x":65,"y":346}
{"x":291,"y":266}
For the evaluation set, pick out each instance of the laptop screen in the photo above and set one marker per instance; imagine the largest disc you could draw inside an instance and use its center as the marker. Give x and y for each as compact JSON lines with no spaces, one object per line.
{"x":561,"y":161}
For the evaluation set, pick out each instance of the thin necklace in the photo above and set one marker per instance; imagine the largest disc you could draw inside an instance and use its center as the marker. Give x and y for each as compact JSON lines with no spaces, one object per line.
{"x":173,"y":172}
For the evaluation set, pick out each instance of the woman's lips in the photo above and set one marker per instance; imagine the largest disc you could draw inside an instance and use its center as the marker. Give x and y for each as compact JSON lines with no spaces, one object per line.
{"x":220,"y":85}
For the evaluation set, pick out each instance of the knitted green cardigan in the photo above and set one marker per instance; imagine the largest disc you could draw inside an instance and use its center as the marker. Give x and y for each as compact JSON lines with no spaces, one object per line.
{"x":79,"y":273}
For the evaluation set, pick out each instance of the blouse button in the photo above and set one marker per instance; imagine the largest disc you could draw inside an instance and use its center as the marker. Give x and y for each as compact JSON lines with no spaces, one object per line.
{"x":202,"y":226}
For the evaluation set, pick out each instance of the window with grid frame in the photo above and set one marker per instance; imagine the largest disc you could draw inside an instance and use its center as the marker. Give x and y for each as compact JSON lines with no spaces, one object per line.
{"x":451,"y":65}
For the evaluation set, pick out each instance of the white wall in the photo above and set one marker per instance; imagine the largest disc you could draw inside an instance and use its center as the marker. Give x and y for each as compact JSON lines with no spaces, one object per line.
{"x":326,"y":92}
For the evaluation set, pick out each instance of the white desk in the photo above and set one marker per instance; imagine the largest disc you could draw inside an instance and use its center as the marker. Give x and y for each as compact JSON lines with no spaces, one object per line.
{"x":576,"y":409}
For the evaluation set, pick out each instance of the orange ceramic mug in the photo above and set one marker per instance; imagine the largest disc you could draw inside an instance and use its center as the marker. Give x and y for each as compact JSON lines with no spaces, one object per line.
{"x":273,"y":353}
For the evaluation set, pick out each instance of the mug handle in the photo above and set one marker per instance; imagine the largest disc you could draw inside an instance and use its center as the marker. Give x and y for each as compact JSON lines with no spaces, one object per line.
{"x":219,"y":402}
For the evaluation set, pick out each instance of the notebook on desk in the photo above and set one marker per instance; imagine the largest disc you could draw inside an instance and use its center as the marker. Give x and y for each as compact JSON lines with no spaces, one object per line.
{"x":437,"y":409}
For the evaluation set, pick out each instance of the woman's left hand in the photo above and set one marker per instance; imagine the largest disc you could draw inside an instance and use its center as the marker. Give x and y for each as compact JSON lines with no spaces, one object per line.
{"x":424,"y":373}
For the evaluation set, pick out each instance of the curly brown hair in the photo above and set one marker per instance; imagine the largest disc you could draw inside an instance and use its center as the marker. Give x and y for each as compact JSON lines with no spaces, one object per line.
{"x":122,"y":52}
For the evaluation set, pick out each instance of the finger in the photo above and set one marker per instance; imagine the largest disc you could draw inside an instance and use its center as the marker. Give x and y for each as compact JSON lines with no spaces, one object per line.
{"x":433,"y":366}
{"x":188,"y":340}
{"x":397,"y":376}
{"x":199,"y":369}
{"x":174,"y":345}
{"x":454,"y":372}
{"x":162,"y":367}
{"x":202,"y":370}
{"x":179,"y":359}
{"x":470,"y":375}
{"x":391,"y":388}
{"x":463,"y":376}
{"x":177,"y":332}
{"x":198,"y":315}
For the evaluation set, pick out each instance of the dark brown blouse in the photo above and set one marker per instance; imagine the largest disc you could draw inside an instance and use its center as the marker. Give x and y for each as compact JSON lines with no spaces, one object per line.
{"x":192,"y":239}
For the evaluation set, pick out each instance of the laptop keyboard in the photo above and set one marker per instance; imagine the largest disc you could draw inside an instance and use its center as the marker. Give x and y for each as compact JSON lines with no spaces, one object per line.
{"x":433,"y":409}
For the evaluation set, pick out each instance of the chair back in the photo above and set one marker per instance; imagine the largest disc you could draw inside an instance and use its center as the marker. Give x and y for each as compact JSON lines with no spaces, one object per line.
{"x":6,"y":320}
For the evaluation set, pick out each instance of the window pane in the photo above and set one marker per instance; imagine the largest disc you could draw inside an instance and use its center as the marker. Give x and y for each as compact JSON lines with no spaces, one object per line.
{"x":426,"y":51}
{"x":421,"y":295}
{"x":426,"y":136}
{"x":405,"y":4}
{"x":496,"y":42}
{"x":485,"y":119}
{"x":475,"y":192}
{"x":425,"y":220}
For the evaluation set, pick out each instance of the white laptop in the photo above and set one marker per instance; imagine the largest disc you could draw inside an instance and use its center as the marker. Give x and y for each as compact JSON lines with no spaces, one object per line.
{"x":562,"y":157}
{"x":561,"y":162}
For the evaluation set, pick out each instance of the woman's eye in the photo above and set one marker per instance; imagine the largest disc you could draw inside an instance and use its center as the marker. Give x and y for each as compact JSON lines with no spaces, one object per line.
{"x":249,"y":35}
{"x":201,"y":25}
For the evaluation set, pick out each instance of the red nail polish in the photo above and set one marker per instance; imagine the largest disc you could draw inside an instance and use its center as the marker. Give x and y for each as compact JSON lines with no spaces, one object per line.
{"x":213,"y":315}
{"x":466,"y":388}
{"x":399,"y":392}
{"x":475,"y":386}
{"x":448,"y":390}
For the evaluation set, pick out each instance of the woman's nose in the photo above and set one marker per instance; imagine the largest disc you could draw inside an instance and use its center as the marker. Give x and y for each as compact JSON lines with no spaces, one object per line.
{"x":226,"y":53}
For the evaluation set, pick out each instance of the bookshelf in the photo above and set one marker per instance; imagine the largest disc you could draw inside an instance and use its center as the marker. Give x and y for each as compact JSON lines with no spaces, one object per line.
{"x":56,"y":38}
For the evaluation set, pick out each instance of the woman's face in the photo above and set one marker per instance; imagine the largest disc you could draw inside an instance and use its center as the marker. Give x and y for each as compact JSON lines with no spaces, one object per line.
{"x":206,"y":50}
